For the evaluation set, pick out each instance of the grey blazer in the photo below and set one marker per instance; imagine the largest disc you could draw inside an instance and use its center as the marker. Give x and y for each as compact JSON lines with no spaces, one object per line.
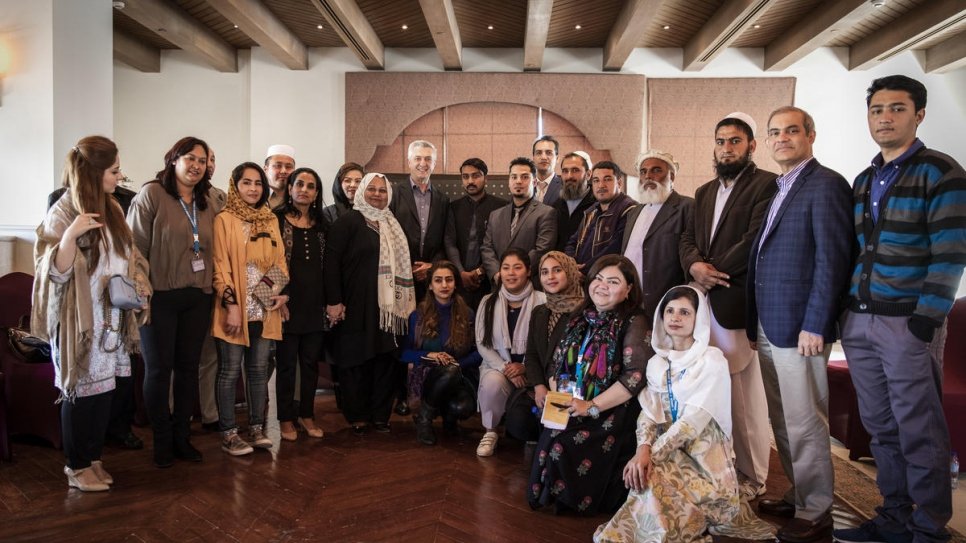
{"x":536,"y":233}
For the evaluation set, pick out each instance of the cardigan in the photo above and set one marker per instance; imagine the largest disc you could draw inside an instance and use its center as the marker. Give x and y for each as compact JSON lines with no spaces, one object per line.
{"x":911,"y":260}
{"x":230,"y":240}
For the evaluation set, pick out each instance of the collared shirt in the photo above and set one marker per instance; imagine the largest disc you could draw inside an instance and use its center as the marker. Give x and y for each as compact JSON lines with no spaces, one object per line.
{"x":785,"y":182}
{"x":635,"y":243}
{"x":541,"y":186}
{"x":886,"y":174}
{"x":724,"y":192}
{"x":572,"y":205}
{"x":423,"y":202}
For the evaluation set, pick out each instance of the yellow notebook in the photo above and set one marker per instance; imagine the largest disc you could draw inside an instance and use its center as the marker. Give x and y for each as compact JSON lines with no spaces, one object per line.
{"x":555,"y":417}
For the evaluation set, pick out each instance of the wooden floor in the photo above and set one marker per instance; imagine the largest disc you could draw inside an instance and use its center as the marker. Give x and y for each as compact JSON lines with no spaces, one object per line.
{"x":380,"y":487}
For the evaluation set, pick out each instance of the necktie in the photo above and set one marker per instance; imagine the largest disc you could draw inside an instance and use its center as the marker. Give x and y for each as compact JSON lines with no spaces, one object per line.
{"x":514,"y":223}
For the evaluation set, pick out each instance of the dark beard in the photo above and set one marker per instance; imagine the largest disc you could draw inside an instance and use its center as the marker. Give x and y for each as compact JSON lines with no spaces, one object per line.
{"x":731,"y":171}
{"x":574,"y":192}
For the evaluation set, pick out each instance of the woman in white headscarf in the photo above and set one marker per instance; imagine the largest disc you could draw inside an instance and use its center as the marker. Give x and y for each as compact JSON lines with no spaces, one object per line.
{"x":369,"y":291}
{"x":682,"y":480}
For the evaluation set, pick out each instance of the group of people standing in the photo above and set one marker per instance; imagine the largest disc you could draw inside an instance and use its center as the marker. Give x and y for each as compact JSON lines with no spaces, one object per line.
{"x":573,"y":285}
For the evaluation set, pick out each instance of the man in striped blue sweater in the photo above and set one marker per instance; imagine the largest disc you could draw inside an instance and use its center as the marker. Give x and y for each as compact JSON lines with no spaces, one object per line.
{"x":911,"y":231}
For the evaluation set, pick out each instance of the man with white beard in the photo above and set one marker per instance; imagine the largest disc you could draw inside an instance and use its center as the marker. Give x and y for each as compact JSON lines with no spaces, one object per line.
{"x":653,"y":231}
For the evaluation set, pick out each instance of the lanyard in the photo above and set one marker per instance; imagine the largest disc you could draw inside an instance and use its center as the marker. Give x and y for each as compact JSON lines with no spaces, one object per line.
{"x":579,"y":383}
{"x":671,"y":399}
{"x":193,"y":219}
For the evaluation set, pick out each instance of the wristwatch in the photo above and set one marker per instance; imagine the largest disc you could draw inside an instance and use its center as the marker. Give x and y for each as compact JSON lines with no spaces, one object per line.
{"x":593,"y":410}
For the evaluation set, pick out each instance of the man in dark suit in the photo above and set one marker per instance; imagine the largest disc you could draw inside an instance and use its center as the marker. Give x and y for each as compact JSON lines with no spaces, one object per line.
{"x":714,"y":250}
{"x":575,"y":196}
{"x":797,"y":274}
{"x":547,"y":183}
{"x":422,"y":212}
{"x":466,"y":226}
{"x":652,"y":235}
{"x":524,"y":222}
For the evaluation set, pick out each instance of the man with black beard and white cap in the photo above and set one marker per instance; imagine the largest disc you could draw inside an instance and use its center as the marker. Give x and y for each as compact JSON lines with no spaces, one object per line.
{"x":652,"y":235}
{"x":714,"y":250}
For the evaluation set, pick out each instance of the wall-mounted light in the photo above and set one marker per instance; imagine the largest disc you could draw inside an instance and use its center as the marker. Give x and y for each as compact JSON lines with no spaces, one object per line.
{"x":4,"y":64}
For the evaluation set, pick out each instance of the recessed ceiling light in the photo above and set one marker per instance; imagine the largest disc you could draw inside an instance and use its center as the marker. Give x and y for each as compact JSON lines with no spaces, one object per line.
{"x":118,"y":5}
{"x":319,"y":27}
{"x":405,"y":27}
{"x":877,"y":3}
{"x":489,"y":27}
{"x":757,"y":26}
{"x":236,"y":26}
{"x":666,"y":27}
{"x":577,"y":27}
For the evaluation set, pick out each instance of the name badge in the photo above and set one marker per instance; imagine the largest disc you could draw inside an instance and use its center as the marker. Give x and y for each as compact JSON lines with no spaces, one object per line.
{"x":197,"y":264}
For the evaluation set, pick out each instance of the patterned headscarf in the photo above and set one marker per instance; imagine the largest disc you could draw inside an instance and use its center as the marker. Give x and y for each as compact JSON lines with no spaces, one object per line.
{"x":396,"y":295}
{"x":588,"y":353}
{"x":571,"y":297}
{"x":261,"y":218}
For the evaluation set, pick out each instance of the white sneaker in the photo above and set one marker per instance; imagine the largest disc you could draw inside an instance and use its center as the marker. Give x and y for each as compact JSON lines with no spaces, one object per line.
{"x":487,"y":444}
{"x":257,"y":437}
{"x":233,"y":444}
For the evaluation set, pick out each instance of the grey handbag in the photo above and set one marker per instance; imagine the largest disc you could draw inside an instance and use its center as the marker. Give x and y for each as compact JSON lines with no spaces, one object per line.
{"x":123,"y":293}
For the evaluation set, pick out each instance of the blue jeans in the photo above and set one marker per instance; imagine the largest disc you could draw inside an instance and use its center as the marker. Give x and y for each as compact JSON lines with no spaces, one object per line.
{"x":255,"y":357}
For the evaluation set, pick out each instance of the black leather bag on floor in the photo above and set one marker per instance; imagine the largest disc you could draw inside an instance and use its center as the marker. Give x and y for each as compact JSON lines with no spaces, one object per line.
{"x":29,"y":348}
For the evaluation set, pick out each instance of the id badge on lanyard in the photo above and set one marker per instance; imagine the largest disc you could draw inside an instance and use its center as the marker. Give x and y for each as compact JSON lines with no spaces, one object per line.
{"x":197,"y":263}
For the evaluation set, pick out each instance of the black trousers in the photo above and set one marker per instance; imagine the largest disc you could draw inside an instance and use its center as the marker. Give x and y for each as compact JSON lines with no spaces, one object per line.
{"x":302,"y":352}
{"x":171,"y":345}
{"x":83,"y":423}
{"x":519,"y":419}
{"x":367,"y":389}
{"x":122,"y":408}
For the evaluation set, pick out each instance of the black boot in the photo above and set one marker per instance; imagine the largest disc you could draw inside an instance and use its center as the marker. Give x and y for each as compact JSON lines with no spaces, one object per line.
{"x":424,"y":424}
{"x":163,"y":449}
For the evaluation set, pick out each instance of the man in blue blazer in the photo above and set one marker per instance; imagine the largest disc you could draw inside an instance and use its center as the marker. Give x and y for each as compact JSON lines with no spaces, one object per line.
{"x":798,"y":271}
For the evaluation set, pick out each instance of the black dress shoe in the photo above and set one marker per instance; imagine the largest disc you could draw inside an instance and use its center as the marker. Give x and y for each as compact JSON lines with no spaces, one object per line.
{"x":211,"y":426}
{"x":402,"y":408}
{"x":163,"y":458}
{"x":424,"y":429}
{"x":184,"y":451}
{"x":359,"y":430}
{"x":776,"y":508}
{"x":799,"y":530}
{"x":129,"y":441}
{"x":381,"y":427}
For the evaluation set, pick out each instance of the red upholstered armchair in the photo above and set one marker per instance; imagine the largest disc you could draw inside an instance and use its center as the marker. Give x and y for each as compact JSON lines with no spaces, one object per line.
{"x":954,"y":376}
{"x":29,"y":392}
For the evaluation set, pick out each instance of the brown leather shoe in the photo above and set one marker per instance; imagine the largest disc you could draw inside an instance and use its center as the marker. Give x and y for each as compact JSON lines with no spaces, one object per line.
{"x":776,"y":508}
{"x":799,"y":530}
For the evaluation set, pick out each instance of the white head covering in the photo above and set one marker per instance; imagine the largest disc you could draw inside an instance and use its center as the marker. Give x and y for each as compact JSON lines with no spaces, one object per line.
{"x":699,"y":376}
{"x":394,"y":279}
{"x":745,"y":118}
{"x":583,"y":155}
{"x":660,"y":155}
{"x":280,"y":149}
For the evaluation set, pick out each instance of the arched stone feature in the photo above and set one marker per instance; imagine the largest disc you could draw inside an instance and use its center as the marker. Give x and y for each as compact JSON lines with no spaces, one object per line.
{"x":607,"y":109}
{"x":492,"y":131}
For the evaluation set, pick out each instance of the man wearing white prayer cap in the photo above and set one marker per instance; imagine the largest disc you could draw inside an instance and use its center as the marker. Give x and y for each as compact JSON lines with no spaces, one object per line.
{"x":279,"y":163}
{"x":652,"y":235}
{"x":714,"y":251}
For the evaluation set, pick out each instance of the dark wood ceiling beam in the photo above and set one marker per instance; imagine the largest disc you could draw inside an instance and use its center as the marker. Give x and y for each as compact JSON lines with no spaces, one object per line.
{"x":262,"y":26}
{"x":815,"y":30}
{"x":947,"y":55}
{"x":538,"y":27}
{"x":354,"y":29}
{"x":723,"y":28}
{"x":183,"y":31}
{"x":136,"y":54}
{"x":631,"y":23}
{"x":441,"y":19}
{"x":925,"y":20}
